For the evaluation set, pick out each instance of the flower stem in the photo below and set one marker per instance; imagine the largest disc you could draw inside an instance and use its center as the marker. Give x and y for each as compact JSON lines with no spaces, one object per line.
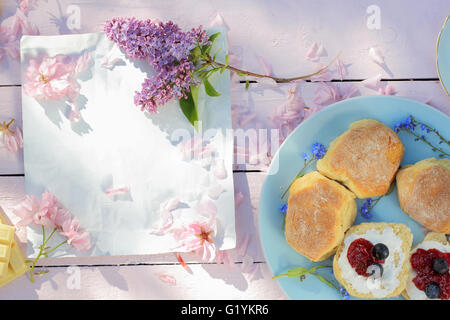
{"x":241,"y":72}
{"x":307,"y":163}
{"x":428,"y":143}
{"x":432,"y":130}
{"x":47,"y":252}
{"x":41,"y":251}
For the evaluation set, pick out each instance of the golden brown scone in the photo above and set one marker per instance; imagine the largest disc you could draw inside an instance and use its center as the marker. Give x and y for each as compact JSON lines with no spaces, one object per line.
{"x":365,"y":158}
{"x":433,"y":240}
{"x":424,"y":193}
{"x":398,"y":238}
{"x":319,"y":212}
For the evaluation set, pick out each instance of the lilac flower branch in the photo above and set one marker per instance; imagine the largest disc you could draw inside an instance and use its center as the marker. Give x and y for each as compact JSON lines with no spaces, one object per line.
{"x":208,"y":61}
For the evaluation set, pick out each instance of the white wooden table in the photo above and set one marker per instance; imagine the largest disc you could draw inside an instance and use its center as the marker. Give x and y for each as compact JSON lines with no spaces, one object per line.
{"x":282,"y":32}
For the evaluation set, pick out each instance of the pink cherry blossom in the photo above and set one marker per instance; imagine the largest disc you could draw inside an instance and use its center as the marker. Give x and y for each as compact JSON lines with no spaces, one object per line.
{"x":24,"y":5}
{"x":9,"y":44}
{"x":79,"y":239}
{"x":51,"y":78}
{"x":12,"y":137}
{"x":26,"y":210}
{"x":48,"y":212}
{"x":198,"y":236}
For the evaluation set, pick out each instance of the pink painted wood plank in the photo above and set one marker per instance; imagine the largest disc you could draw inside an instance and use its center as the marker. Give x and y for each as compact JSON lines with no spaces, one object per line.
{"x":209,"y":281}
{"x":259,"y":100}
{"x":285,"y":28}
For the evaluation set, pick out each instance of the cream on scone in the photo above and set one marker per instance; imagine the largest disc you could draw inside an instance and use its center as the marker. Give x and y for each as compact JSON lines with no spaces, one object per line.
{"x":365,"y":158}
{"x":372,"y":261}
{"x":424,"y":193}
{"x":429,"y":277}
{"x":319,"y":212}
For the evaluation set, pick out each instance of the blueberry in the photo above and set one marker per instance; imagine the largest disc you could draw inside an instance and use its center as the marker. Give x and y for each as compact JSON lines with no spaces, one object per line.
{"x":440,"y":265}
{"x":380,"y":251}
{"x":375,"y":270}
{"x":432,"y":290}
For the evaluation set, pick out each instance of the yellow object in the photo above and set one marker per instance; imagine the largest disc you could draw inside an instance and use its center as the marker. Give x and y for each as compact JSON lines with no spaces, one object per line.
{"x":6,"y":239}
{"x":17,"y":265}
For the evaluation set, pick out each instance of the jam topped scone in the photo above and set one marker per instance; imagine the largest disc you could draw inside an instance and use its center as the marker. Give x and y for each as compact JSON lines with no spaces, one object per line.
{"x":319,"y":212}
{"x":429,"y":277}
{"x":424,"y":193}
{"x":365,"y":158}
{"x":372,"y":261}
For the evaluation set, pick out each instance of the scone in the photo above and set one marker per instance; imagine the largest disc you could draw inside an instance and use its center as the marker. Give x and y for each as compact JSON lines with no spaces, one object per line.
{"x":429,"y":277}
{"x":424,"y":193}
{"x":365,"y":158}
{"x":319,"y":212}
{"x":372,"y":261}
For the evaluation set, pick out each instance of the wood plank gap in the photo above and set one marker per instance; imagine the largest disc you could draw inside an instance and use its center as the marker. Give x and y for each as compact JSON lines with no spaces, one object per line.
{"x":135,"y":264}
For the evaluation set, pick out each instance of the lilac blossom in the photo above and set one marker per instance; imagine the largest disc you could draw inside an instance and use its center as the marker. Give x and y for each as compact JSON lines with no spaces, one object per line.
{"x":167,"y":49}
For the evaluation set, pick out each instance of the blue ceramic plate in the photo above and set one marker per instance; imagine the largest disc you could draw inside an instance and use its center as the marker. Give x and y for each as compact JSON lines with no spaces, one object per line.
{"x":323,"y":127}
{"x":443,"y":56}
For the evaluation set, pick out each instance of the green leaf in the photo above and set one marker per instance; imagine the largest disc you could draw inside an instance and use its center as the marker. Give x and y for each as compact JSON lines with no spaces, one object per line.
{"x":214,"y":57}
{"x":240,"y":74}
{"x":223,"y":69}
{"x":247,"y":84}
{"x":297,"y":272}
{"x":325,"y":281}
{"x":214,"y":36}
{"x":227,"y":57}
{"x":189,"y":105}
{"x":209,"y":89}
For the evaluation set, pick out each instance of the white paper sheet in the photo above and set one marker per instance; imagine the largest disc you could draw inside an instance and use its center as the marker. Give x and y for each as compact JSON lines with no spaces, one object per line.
{"x":116,"y":144}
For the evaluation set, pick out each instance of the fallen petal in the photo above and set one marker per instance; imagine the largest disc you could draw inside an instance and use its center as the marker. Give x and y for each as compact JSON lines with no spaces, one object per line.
{"x":376,"y":55}
{"x":167,"y":278}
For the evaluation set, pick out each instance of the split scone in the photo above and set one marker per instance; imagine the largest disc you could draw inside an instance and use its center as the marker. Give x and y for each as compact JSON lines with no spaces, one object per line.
{"x":429,"y":277}
{"x":365,"y":158}
{"x":319,"y":212}
{"x":424,"y":193}
{"x":372,"y":261}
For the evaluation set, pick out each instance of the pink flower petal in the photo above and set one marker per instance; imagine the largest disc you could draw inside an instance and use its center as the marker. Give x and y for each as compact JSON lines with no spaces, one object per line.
{"x":372,"y":82}
{"x":376,"y":55}
{"x":219,"y":170}
{"x":215,"y":191}
{"x":238,"y":199}
{"x":315,"y":52}
{"x":181,"y":261}
{"x":167,"y":278}
{"x":217,"y":20}
{"x":117,"y":191}
{"x":267,"y":70}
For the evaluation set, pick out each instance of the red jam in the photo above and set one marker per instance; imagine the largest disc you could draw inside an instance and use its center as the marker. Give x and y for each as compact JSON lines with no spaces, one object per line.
{"x":359,"y":255}
{"x":422,"y":264}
